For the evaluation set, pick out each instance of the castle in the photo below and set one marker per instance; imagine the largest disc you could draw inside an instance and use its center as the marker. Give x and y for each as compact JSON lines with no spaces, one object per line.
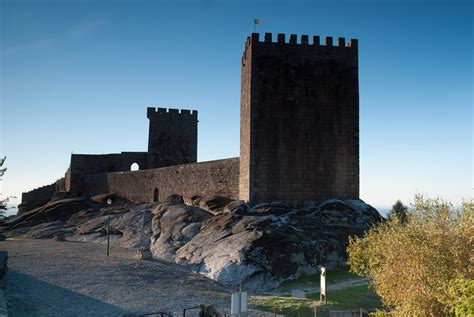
{"x":299,"y":136}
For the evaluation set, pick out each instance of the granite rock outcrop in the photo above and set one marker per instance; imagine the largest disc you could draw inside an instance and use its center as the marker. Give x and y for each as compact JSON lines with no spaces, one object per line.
{"x":228,"y":241}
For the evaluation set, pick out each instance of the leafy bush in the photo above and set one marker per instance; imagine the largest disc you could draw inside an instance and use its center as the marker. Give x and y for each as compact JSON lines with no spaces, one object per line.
{"x":425,"y":266}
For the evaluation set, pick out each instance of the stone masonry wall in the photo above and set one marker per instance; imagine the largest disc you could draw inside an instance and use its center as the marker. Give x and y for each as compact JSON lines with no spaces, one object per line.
{"x":60,"y":185}
{"x":172,"y":137}
{"x":300,"y":120}
{"x":219,"y":177}
{"x":245,"y":103}
{"x":85,"y":164}
{"x":36,"y":197}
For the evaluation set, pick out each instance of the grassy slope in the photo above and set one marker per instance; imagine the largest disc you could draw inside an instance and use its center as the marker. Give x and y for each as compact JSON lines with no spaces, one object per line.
{"x":350,"y":298}
{"x":314,"y":279}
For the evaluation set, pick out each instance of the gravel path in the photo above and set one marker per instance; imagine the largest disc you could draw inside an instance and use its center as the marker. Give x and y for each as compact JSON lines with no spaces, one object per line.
{"x":47,"y":278}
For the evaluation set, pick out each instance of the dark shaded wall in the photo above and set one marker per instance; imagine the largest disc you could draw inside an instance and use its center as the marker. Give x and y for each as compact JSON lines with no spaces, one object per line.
{"x":219,"y":177}
{"x":299,"y":120}
{"x":172,"y":137}
{"x":67,"y":179}
{"x":60,"y":185}
{"x":84,"y":164}
{"x":37,"y":197}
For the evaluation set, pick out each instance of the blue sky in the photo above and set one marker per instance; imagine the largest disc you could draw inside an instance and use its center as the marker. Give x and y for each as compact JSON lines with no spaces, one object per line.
{"x":77,"y":76}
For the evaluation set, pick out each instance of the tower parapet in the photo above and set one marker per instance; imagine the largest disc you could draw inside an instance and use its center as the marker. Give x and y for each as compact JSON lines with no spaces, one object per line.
{"x":172,"y":137}
{"x":305,"y":41}
{"x":151,"y":111}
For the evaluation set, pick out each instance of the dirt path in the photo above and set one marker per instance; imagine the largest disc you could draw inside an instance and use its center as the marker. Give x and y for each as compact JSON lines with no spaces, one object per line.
{"x":47,"y":278}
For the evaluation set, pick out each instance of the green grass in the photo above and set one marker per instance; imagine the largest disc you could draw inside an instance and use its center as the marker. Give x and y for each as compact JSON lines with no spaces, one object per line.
{"x":350,"y":298}
{"x":314,"y":279}
{"x":360,"y":296}
{"x":284,"y":305}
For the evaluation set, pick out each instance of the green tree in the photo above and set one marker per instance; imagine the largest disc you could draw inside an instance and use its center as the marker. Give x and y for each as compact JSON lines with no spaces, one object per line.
{"x":425,"y":266}
{"x":3,"y":202}
{"x":400,"y":211}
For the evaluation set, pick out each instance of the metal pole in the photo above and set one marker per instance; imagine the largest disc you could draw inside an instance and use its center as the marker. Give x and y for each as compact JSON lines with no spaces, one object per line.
{"x":109,"y":202}
{"x":108,"y":233}
{"x":240,"y":284}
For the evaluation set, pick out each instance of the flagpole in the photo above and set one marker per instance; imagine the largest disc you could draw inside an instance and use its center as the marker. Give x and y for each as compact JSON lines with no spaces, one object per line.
{"x":255,"y":22}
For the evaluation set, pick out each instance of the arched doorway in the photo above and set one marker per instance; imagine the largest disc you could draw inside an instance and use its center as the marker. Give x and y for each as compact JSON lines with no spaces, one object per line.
{"x":134,"y":167}
{"x":156,"y":195}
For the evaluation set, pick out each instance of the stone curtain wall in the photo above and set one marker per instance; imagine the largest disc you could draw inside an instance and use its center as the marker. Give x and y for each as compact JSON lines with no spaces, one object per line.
{"x":60,"y":185}
{"x":40,"y":194}
{"x":219,"y":177}
{"x":37,"y":197}
{"x":84,"y":164}
{"x":299,"y":120}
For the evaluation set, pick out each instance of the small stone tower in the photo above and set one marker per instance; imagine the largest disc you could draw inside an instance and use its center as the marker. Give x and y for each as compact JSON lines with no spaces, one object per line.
{"x":172,"y":138}
{"x":299,"y":120}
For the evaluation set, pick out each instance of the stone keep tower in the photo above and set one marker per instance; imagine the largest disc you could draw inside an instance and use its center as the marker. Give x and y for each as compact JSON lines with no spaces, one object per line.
{"x":172,"y":138}
{"x":299,"y":120}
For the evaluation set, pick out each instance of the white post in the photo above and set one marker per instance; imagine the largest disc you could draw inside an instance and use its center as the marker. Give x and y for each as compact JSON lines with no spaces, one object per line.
{"x":323,"y":292}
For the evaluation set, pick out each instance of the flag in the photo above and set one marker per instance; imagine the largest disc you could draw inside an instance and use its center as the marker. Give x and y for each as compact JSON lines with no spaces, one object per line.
{"x":257,"y":21}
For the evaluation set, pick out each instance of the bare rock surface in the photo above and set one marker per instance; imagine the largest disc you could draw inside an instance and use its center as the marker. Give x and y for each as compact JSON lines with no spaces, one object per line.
{"x":269,"y":243}
{"x":143,"y":254}
{"x":59,"y":237}
{"x":228,"y":241}
{"x":214,"y":204}
{"x":53,"y":211}
{"x":45,"y":230}
{"x":175,"y":199}
{"x":173,"y":227}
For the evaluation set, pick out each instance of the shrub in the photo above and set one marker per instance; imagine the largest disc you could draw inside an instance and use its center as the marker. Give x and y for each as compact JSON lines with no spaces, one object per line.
{"x":425,"y":266}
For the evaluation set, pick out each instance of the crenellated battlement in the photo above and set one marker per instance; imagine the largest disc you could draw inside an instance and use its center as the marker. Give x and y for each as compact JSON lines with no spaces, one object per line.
{"x":152,"y":112}
{"x":41,"y":188}
{"x":38,"y":196}
{"x":304,"y":40}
